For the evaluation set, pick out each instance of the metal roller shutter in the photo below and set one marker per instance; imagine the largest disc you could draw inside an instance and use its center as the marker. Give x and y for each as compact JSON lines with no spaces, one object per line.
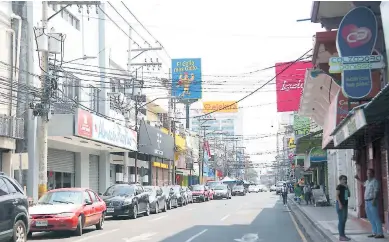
{"x":60,"y":161}
{"x":94,"y":172}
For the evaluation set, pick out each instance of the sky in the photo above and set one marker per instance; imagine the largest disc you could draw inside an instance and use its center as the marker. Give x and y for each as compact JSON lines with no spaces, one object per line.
{"x":232,"y":38}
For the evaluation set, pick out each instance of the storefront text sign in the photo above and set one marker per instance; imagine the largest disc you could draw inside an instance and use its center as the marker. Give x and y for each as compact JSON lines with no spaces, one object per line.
{"x":153,"y":141}
{"x":355,"y":41}
{"x":160,"y":165}
{"x":317,"y":154}
{"x":105,"y":131}
{"x":220,"y":106}
{"x":352,"y":125}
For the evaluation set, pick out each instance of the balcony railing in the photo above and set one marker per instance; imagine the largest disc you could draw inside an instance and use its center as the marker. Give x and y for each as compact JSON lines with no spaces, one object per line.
{"x":12,"y":127}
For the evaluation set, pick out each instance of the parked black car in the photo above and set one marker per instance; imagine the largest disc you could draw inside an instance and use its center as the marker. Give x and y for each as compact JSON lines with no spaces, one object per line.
{"x":14,"y":217}
{"x":171,"y":198}
{"x":179,"y":193}
{"x":126,"y":200}
{"x":222,"y":191}
{"x":157,"y":199}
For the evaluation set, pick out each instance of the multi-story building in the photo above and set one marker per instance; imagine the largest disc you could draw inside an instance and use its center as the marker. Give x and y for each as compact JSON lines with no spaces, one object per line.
{"x":91,"y":137}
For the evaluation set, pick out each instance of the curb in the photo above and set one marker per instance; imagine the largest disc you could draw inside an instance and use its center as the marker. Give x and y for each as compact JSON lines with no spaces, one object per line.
{"x":329,"y":238}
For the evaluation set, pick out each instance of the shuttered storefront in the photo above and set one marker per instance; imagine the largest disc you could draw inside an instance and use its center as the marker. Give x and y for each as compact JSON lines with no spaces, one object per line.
{"x":60,"y":161}
{"x":94,"y":172}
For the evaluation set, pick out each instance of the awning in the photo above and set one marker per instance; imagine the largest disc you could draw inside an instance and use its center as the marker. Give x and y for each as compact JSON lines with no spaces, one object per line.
{"x":305,"y":143}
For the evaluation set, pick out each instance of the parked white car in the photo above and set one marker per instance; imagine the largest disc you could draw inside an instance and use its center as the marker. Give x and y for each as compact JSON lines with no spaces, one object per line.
{"x":253,"y":188}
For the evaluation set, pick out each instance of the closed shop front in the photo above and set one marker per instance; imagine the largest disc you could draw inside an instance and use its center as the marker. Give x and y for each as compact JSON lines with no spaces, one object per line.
{"x":60,"y":169}
{"x":94,"y":172}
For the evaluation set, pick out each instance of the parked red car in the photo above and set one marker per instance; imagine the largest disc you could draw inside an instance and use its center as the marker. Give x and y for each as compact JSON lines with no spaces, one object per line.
{"x":69,"y":209}
{"x":201,"y":193}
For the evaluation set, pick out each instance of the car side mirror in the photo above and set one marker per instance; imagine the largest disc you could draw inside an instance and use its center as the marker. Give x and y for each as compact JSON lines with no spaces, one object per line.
{"x":87,"y":202}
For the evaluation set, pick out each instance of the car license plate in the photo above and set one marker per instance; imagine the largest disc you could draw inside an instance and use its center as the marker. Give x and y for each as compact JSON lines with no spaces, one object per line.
{"x":41,"y":223}
{"x":110,"y":210}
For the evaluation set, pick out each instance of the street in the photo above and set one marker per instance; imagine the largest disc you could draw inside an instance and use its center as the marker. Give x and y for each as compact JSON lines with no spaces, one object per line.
{"x":250,"y":218}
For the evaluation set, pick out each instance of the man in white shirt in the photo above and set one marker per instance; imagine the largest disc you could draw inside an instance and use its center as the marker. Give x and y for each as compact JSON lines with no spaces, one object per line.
{"x":284,"y":194}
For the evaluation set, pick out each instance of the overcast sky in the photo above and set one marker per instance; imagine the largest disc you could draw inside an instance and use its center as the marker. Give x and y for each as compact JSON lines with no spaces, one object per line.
{"x":231,"y":38}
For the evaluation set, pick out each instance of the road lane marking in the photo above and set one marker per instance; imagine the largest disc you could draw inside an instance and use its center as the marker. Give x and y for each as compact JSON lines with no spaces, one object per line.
{"x":225,"y":217}
{"x":96,"y":235}
{"x":155,"y":219}
{"x":190,"y":209}
{"x":197,"y":235}
{"x":298,"y":229}
{"x":142,"y":237}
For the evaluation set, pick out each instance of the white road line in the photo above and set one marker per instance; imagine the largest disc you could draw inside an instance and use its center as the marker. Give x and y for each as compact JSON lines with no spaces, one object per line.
{"x":225,"y":217}
{"x":158,"y":218}
{"x":196,"y":235}
{"x":190,"y":209}
{"x":96,"y":235}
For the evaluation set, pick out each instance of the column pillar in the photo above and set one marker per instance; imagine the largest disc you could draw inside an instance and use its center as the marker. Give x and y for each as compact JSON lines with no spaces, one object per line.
{"x":7,"y":163}
{"x":104,"y":170}
{"x":82,"y":169}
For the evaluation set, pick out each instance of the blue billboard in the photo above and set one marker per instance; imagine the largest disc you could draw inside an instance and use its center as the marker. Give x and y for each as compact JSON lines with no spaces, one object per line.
{"x":186,"y":78}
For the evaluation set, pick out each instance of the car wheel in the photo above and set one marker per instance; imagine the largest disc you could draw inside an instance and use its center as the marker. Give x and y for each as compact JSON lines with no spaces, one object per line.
{"x":147,"y":212}
{"x":100,"y":225}
{"x":20,"y":232}
{"x":134,"y":214}
{"x":78,"y":231}
{"x":156,"y":208}
{"x":164,"y":207}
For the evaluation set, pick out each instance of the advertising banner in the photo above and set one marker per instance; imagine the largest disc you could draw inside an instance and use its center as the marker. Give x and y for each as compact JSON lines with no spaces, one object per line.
{"x":97,"y":128}
{"x":301,"y":125}
{"x":290,"y":84}
{"x":355,"y":42}
{"x":222,"y":106}
{"x":153,"y":141}
{"x":186,"y":78}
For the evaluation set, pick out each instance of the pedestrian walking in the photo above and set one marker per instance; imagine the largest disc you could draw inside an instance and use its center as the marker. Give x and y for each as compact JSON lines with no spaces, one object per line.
{"x":342,"y":195}
{"x":297,"y":193}
{"x":284,"y":194}
{"x":307,"y":194}
{"x":371,"y":198}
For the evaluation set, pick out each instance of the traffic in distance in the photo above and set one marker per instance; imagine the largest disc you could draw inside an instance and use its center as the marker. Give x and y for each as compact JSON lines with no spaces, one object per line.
{"x":74,"y":209}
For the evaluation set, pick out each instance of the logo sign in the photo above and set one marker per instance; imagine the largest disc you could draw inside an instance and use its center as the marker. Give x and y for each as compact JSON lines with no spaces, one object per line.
{"x":153,"y":141}
{"x":186,"y":78}
{"x":222,"y":106}
{"x":85,"y":124}
{"x":355,"y":42}
{"x":317,"y":154}
{"x":290,"y":84}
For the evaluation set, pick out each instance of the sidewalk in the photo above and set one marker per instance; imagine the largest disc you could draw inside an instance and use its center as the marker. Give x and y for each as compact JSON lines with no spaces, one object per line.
{"x":325,"y":219}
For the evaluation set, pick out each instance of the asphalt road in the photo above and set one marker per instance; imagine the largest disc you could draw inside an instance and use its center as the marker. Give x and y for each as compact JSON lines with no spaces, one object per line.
{"x":257,"y":217}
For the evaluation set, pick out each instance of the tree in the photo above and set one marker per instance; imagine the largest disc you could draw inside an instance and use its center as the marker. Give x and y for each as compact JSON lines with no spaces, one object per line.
{"x":251,"y":174}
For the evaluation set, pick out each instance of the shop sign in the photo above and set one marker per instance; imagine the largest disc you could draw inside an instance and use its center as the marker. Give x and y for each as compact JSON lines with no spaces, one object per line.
{"x":352,"y":125}
{"x":105,"y":131}
{"x":160,"y":165}
{"x":317,"y":154}
{"x":355,"y":42}
{"x":153,"y":141}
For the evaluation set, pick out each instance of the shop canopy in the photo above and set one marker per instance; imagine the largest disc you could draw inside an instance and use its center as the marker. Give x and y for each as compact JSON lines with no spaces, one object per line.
{"x":305,"y":143}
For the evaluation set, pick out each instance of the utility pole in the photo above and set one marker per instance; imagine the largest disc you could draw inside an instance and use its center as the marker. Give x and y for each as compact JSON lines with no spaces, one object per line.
{"x":169,"y":114}
{"x":43,"y":125}
{"x":137,"y":131}
{"x":126,"y":159}
{"x":174,"y":142}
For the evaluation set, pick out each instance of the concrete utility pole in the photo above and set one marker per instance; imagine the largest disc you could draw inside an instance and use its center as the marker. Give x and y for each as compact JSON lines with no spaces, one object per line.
{"x":169,"y":114}
{"x":126,"y":159}
{"x":43,"y":126}
{"x":174,"y":142}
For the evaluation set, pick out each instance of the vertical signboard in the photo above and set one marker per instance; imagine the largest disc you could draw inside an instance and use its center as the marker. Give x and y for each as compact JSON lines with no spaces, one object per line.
{"x":290,"y":84}
{"x":186,"y":78}
{"x":355,"y":42}
{"x":301,"y":125}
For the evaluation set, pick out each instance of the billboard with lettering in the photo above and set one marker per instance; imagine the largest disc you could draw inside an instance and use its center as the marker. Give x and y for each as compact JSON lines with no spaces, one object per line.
{"x":186,"y":78}
{"x":290,"y":84}
{"x":220,"y":106}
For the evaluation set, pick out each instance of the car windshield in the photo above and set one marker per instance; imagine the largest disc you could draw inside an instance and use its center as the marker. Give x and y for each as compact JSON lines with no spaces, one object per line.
{"x":220,"y":187}
{"x":166,"y":189}
{"x":198,"y":188}
{"x":120,"y":190}
{"x":238,"y":188}
{"x":213,"y":184}
{"x":150,"y":190}
{"x":62,"y":197}
{"x":176,"y":188}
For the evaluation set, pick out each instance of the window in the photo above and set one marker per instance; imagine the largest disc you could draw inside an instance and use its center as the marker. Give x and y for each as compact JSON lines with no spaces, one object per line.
{"x":87,"y":197}
{"x":3,"y":188}
{"x":11,"y":187}
{"x":94,"y":98}
{"x":94,"y":197}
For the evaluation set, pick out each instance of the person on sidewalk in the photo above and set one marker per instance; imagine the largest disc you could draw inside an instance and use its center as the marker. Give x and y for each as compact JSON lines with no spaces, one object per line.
{"x":371,"y":198}
{"x":284,"y":194}
{"x":342,"y":195}
{"x":308,"y":194}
